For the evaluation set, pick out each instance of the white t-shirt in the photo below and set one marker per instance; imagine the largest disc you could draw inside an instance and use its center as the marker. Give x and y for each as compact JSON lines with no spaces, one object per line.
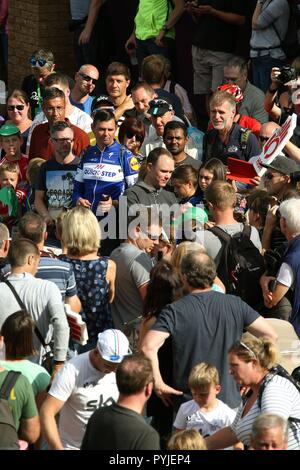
{"x":285,"y":275}
{"x":153,"y":141}
{"x":84,"y":389}
{"x":189,"y":416}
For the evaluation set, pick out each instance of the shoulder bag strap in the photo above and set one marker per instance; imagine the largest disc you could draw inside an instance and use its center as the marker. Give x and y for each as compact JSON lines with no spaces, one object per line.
{"x":8,"y":384}
{"x":247,"y":230}
{"x":17,"y":297}
{"x":220,"y":233}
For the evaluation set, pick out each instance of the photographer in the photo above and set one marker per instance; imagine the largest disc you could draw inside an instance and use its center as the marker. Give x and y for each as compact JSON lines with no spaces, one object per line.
{"x":281,"y":97}
{"x":288,"y":276}
{"x":269,"y":27}
{"x":279,"y":184}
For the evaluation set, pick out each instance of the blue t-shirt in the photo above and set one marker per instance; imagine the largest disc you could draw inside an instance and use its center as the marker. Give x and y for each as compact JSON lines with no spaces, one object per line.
{"x":86,"y":106}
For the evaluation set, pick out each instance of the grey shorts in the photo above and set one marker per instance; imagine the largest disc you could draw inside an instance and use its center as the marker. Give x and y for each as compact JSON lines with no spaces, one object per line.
{"x":208,"y":69}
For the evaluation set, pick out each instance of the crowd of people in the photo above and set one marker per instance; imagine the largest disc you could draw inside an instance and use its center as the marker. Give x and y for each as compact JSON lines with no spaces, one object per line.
{"x":160,"y":240}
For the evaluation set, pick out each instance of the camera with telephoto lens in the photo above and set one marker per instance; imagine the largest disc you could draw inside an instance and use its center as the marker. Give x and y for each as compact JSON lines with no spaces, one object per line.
{"x":287,"y":73}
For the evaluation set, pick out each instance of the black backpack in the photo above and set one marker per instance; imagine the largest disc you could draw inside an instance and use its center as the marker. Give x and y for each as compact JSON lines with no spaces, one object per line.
{"x":278,"y":370}
{"x":241,"y":265}
{"x":8,"y":433}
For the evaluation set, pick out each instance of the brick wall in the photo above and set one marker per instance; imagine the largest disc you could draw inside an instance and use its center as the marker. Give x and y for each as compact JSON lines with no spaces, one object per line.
{"x":35,"y":24}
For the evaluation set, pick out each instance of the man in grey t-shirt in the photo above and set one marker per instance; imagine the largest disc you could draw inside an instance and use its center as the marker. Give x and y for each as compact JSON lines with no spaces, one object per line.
{"x":221,"y":199}
{"x":41,"y":298}
{"x":133,"y":268}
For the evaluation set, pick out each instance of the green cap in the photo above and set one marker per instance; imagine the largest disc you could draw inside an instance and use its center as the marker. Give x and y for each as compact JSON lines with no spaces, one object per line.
{"x":9,"y":129}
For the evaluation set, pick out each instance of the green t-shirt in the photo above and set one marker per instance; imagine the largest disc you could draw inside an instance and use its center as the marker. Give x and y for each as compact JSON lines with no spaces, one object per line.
{"x":150,"y":18}
{"x":38,"y":376}
{"x":21,"y":399}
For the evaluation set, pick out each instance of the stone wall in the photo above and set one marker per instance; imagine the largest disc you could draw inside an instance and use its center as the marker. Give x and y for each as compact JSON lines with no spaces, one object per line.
{"x":35,"y":24}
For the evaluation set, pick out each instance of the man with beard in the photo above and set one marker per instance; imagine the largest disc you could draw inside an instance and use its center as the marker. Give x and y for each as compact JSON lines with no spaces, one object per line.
{"x":175,"y":139}
{"x":227,"y":139}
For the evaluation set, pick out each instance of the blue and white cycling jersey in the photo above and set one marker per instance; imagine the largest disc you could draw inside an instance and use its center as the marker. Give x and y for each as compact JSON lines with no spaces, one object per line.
{"x":101,"y":172}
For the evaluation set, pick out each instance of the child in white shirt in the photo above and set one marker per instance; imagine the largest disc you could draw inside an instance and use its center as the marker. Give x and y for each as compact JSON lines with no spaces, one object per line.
{"x":205,"y":412}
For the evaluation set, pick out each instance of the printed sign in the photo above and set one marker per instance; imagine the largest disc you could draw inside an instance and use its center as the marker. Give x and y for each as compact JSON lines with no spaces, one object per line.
{"x":275,"y":144}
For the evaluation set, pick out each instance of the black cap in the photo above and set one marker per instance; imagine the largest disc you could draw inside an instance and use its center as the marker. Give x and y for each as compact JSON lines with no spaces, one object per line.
{"x":283,"y":165}
{"x":102,"y":99}
{"x":159,"y":107}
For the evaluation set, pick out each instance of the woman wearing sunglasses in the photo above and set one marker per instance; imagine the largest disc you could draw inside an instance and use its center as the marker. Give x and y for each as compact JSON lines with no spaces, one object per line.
{"x":250,"y":363}
{"x":18,"y":112}
{"x":132,"y":134}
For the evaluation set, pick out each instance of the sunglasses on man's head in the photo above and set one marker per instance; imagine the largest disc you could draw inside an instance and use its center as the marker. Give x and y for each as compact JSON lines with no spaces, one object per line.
{"x":87,"y":78}
{"x":12,"y":107}
{"x":37,"y":62}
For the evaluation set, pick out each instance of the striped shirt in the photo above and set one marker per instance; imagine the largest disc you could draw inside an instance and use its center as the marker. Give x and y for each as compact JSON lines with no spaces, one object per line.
{"x":55,"y":270}
{"x":280,"y":397}
{"x":59,"y":272}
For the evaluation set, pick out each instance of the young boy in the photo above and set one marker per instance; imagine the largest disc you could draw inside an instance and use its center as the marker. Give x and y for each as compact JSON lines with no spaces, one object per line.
{"x":11,"y":141}
{"x":11,"y":200}
{"x":205,"y":412}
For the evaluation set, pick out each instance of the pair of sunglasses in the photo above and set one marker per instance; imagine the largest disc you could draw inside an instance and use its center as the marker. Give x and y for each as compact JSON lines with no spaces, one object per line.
{"x":37,"y":62}
{"x":19,"y":107}
{"x":87,"y":78}
{"x":130,"y":134}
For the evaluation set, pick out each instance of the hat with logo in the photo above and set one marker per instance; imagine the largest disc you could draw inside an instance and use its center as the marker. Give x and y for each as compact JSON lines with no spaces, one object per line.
{"x":104,"y":100}
{"x":283,"y":165}
{"x":9,"y":129}
{"x":159,"y":107}
{"x":113,"y":345}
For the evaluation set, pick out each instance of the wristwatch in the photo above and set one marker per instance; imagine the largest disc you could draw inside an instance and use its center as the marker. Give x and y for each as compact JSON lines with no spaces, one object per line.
{"x":165,"y":28}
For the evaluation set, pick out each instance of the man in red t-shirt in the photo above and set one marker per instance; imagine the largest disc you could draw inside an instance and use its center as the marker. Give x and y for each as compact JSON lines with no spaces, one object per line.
{"x":54,"y":107}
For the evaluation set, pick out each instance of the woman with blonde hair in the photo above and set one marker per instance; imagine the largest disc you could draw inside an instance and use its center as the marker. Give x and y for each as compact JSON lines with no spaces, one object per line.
{"x":250,"y":363}
{"x":95,"y":275}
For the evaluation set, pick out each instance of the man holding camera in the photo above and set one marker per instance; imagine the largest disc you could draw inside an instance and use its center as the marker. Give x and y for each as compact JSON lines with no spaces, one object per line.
{"x":278,"y":182}
{"x":289,"y":101}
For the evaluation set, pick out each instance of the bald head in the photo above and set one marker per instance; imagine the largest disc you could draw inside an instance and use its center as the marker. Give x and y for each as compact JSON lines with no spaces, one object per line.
{"x":266,"y":132}
{"x":199,"y":270}
{"x":90,"y":70}
{"x":85,"y":81}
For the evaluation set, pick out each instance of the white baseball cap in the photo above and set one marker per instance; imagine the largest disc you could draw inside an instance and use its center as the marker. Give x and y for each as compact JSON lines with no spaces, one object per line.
{"x":113,"y":345}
